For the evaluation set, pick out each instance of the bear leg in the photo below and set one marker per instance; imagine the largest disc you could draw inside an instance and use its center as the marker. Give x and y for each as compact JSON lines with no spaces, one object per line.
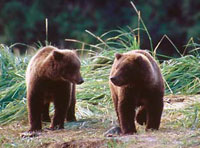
{"x":141,"y":116}
{"x":126,"y":112}
{"x":61,"y":103}
{"x":34,"y":109}
{"x":45,"y":113}
{"x":115,"y":101}
{"x":154,"y":112}
{"x":70,"y":115}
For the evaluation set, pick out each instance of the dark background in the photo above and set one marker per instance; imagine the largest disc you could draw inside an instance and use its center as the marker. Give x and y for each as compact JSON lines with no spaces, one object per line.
{"x":24,"y":20}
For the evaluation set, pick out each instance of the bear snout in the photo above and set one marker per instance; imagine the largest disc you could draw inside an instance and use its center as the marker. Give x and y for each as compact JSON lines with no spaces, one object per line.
{"x":118,"y":81}
{"x":80,"y":81}
{"x":114,"y":80}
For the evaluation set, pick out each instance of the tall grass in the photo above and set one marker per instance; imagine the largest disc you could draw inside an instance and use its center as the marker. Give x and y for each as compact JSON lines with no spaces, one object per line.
{"x":12,"y":69}
{"x":12,"y":84}
{"x":182,"y":74}
{"x":93,"y":97}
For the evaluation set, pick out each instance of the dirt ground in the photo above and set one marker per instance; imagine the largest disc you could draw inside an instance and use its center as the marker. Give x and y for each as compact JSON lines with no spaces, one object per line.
{"x":173,"y":132}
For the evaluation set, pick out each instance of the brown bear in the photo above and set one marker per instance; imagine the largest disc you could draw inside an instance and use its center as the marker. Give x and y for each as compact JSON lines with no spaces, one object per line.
{"x":136,"y":81}
{"x":51,"y":77}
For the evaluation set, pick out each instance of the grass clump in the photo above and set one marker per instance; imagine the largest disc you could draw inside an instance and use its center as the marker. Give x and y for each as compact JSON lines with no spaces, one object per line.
{"x":182,"y":75}
{"x":12,"y":85}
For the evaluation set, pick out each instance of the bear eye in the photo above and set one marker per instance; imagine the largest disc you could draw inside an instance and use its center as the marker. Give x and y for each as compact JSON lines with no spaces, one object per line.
{"x":73,"y":68}
{"x":126,"y":69}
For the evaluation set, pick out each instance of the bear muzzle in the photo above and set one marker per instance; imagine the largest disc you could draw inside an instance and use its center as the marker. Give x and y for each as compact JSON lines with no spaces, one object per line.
{"x":115,"y":80}
{"x":80,"y":81}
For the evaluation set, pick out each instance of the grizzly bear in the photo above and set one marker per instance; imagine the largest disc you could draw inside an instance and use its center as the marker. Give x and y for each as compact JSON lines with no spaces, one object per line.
{"x":136,"y":82}
{"x":51,"y":77}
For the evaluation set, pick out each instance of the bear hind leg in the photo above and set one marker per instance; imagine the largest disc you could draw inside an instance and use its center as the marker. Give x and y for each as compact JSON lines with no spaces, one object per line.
{"x":61,"y":103}
{"x":45,"y":113}
{"x":154,"y":113}
{"x":141,"y":116}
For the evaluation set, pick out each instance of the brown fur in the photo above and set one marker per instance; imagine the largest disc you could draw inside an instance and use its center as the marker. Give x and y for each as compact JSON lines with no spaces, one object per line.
{"x":136,"y":81}
{"x":51,"y":77}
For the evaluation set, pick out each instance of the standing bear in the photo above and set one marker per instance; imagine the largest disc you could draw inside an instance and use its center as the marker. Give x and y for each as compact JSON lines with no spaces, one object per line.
{"x":136,"y":81}
{"x":51,"y":77}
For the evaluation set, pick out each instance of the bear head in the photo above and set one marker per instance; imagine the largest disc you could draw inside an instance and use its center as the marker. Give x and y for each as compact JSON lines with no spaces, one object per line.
{"x":65,"y":66}
{"x":130,"y":69}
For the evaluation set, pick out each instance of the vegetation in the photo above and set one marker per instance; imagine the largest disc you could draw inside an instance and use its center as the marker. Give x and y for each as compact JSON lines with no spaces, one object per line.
{"x":180,"y":21}
{"x":95,"y":109}
{"x":93,"y":97}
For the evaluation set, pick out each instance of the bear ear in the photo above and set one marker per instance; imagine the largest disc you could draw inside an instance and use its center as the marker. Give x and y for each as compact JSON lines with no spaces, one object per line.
{"x":118,"y":56}
{"x":75,"y":51}
{"x":57,"y":55}
{"x":139,"y":59}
